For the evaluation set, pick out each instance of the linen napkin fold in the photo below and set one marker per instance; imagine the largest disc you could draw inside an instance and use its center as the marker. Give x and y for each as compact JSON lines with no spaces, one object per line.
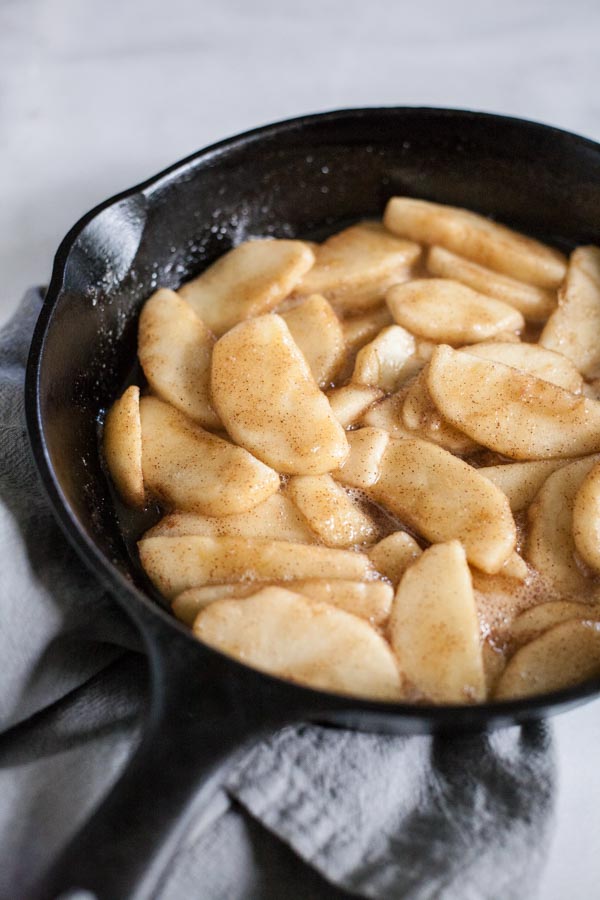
{"x":311,"y":812}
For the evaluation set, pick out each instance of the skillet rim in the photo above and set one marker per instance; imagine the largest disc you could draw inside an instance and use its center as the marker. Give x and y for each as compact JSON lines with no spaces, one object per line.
{"x":128,"y":596}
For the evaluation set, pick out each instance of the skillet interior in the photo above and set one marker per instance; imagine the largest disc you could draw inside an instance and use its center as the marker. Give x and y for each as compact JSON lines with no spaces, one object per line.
{"x":301,"y":178}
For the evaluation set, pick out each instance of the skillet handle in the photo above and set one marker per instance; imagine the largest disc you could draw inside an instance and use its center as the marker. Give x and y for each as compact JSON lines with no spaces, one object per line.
{"x":203,"y":710}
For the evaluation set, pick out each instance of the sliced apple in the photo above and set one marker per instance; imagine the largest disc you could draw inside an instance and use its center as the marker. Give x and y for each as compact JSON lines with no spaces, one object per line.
{"x":359,"y":330}
{"x":550,"y":546}
{"x":511,"y":412}
{"x":573,"y":327}
{"x":394,"y":554}
{"x":175,"y":564}
{"x":521,"y":481}
{"x":442,"y":310}
{"x":317,"y":331}
{"x":561,"y":657}
{"x":534,"y":621}
{"x":443,"y":498}
{"x":330,"y":512}
{"x":476,"y":238}
{"x":586,"y":519}
{"x":269,"y":401}
{"x":350,"y":402}
{"x":247,"y":281}
{"x":421,"y":416}
{"x":175,"y":350}
{"x":188,"y":604}
{"x":382,"y":362}
{"x":434,"y":629}
{"x":122,"y":445}
{"x":362,"y":467}
{"x":534,"y":359}
{"x":535,"y":303}
{"x":276,"y":517}
{"x":386,"y":415}
{"x":355,"y":267}
{"x":309,"y":642}
{"x":192,"y":469}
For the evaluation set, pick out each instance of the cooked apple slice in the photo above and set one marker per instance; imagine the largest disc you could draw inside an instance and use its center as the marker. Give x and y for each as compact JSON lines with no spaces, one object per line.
{"x":269,"y":402}
{"x":534,"y":359}
{"x":434,"y":629}
{"x":586,"y":519}
{"x":175,"y":350}
{"x":317,"y":331}
{"x":550,"y":547}
{"x":361,"y":468}
{"x":175,"y":564}
{"x":355,"y":267}
{"x":515,"y":567}
{"x":247,"y":281}
{"x":511,"y":412}
{"x":394,"y":554}
{"x":535,"y":303}
{"x":122,"y":445}
{"x":387,"y":415}
{"x":561,"y":657}
{"x":371,"y":600}
{"x":421,"y":416}
{"x":359,"y":330}
{"x":443,"y":498}
{"x":534,"y":621}
{"x":521,"y":481}
{"x":476,"y":238}
{"x":382,"y":362}
{"x":333,"y":516}
{"x":309,"y":642}
{"x":350,"y":402}
{"x":439,"y":309}
{"x":572,"y":328}
{"x":193,"y":469}
{"x":276,"y":517}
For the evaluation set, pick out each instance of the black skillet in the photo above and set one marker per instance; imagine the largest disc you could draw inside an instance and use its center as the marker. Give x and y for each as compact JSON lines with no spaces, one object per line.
{"x":303,"y":177}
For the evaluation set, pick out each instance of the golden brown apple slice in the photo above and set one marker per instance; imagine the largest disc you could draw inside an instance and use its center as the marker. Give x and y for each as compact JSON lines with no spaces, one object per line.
{"x":521,"y":481}
{"x":386,"y":415}
{"x":247,"y":281}
{"x":312,"y":643}
{"x":394,"y":554}
{"x":534,"y":621}
{"x":550,"y":546}
{"x":573,"y":327}
{"x":443,"y":498}
{"x":533,"y":302}
{"x":122,"y":445}
{"x":434,"y":629}
{"x":476,"y":238}
{"x":586,"y":519}
{"x":175,"y":564}
{"x":269,"y":402}
{"x":511,"y":412}
{"x":371,"y":600}
{"x":193,"y":469}
{"x":563,"y":656}
{"x":317,"y":331}
{"x":333,"y":516}
{"x":355,"y":267}
{"x":421,"y":416}
{"x":359,"y":330}
{"x":361,"y":468}
{"x":175,"y":350}
{"x":276,"y":517}
{"x":442,"y":310}
{"x":383,"y":362}
{"x":532,"y":358}
{"x":350,"y":402}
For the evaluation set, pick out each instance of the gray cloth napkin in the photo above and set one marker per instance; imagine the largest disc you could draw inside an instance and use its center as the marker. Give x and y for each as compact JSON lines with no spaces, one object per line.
{"x":312,"y":812}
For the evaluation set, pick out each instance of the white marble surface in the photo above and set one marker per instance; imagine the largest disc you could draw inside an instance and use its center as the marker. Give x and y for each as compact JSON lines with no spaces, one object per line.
{"x":95,"y":96}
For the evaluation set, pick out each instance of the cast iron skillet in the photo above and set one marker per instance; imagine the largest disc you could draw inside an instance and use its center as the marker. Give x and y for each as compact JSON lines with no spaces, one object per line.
{"x":302,"y":177}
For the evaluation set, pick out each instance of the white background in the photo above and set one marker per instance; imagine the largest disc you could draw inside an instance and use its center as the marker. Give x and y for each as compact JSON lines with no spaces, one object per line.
{"x":96,"y":95}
